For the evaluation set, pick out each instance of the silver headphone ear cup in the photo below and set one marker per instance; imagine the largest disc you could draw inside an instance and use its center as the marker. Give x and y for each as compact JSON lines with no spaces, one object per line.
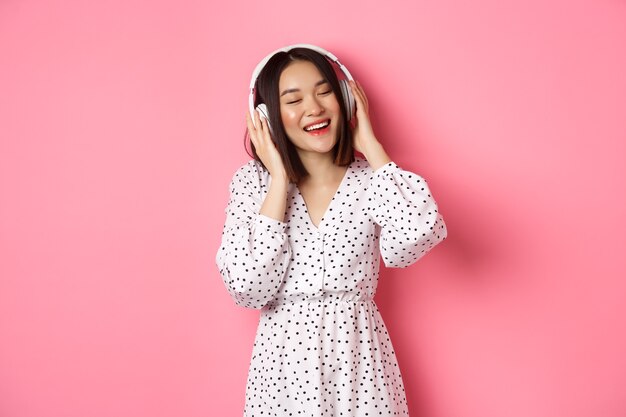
{"x":263,"y":112}
{"x":348,"y":98}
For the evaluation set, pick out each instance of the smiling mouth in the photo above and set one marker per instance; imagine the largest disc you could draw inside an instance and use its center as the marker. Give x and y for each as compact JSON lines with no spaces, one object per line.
{"x":317,"y":126}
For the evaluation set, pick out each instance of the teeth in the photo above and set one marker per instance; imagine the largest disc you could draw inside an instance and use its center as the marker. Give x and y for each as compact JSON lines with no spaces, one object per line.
{"x":317,"y":126}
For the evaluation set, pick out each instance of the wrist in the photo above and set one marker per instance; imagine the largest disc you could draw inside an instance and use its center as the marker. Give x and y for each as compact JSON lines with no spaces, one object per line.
{"x":279,"y":181}
{"x":376,"y":155}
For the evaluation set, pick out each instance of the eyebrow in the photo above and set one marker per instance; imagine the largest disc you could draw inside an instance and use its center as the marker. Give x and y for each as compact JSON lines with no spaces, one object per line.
{"x":293,"y":90}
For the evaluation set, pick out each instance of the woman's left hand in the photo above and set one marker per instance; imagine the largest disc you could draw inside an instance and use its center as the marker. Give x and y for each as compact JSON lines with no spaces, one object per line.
{"x":362,"y":133}
{"x":363,"y":138}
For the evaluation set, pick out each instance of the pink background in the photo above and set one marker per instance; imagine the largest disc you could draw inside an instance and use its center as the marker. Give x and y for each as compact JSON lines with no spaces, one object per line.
{"x":121,"y":124}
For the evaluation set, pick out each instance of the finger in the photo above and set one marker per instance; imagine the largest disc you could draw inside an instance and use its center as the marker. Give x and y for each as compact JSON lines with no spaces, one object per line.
{"x":365,"y":100}
{"x":253,"y":140}
{"x":248,"y":120}
{"x":360,"y":104}
{"x":362,"y":93}
{"x":264,"y":126}
{"x":260,"y":128}
{"x":257,"y":121}
{"x":264,"y":130}
{"x":251,"y":129}
{"x":357,"y":91}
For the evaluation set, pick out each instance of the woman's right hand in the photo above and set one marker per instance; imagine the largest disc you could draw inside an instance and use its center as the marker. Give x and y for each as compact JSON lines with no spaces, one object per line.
{"x":266,"y":150}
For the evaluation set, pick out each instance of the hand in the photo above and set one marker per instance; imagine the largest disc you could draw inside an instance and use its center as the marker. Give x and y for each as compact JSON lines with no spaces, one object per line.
{"x":363,"y":138}
{"x":266,"y":150}
{"x":362,"y":132}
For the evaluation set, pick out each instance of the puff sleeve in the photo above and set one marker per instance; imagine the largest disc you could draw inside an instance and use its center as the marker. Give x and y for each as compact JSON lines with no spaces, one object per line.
{"x":401,"y":204}
{"x":254,"y":251}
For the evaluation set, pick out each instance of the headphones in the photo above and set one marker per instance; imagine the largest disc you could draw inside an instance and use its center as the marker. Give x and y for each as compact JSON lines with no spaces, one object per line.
{"x":346,"y":90}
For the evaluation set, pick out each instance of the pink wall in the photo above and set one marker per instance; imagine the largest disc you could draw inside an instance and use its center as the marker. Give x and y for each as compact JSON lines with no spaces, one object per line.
{"x":121,"y":124}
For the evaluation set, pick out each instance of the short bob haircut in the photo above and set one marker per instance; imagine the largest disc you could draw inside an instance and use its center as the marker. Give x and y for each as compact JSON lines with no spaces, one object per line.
{"x":267,"y":92}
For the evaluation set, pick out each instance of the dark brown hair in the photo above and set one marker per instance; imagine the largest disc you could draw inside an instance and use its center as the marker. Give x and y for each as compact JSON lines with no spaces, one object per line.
{"x":266,"y":89}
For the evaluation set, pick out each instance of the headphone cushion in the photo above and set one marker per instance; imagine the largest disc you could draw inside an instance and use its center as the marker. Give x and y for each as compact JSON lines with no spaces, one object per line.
{"x":263,"y":112}
{"x":348,"y":98}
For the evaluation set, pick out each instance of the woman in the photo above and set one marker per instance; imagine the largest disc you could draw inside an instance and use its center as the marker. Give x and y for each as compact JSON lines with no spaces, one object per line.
{"x":306,"y":224}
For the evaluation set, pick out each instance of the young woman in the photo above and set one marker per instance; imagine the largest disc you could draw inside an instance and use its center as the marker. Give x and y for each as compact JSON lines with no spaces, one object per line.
{"x":306,"y":225}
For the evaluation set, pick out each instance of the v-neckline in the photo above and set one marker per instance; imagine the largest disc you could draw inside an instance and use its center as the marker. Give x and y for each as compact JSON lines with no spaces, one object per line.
{"x":330,"y":204}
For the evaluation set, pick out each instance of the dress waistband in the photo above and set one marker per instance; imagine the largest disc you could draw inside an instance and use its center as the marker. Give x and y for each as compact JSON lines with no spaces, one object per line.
{"x":317,"y":302}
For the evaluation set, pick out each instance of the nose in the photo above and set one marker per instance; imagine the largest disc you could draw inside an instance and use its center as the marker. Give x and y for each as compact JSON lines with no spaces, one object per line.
{"x":314,"y":107}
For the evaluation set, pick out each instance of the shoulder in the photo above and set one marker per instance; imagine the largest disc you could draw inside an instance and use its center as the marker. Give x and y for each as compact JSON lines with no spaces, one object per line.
{"x":364,"y":171}
{"x":252,"y":168}
{"x":361,"y":167}
{"x":250,"y":175}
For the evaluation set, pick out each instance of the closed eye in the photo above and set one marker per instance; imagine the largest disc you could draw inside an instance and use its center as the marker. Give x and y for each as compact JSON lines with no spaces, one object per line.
{"x":321,"y":93}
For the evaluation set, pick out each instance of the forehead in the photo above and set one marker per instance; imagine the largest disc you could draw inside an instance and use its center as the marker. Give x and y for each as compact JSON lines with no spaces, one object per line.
{"x":299,"y":74}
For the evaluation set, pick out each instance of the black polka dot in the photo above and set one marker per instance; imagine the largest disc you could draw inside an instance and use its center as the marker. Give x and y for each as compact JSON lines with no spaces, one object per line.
{"x":322,"y":348}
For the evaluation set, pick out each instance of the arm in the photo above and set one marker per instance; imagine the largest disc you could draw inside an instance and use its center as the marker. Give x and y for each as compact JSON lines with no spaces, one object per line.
{"x":254,"y":253}
{"x":401,"y":203}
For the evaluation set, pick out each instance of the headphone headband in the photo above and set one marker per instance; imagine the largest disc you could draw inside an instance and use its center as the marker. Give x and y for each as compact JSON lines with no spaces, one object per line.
{"x":261,"y":65}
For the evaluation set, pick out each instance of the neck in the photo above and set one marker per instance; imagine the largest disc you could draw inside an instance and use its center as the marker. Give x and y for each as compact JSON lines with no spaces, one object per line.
{"x":320,"y":167}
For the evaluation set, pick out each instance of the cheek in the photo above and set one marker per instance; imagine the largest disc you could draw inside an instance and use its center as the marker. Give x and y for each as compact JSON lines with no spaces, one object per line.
{"x":289,"y":117}
{"x":334,"y":104}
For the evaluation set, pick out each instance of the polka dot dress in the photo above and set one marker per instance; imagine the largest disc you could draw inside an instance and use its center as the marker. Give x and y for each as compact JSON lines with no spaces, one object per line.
{"x":321,"y":347}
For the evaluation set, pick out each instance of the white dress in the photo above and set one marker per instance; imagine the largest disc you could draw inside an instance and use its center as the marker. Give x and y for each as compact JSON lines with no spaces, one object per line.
{"x":321,"y":347}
